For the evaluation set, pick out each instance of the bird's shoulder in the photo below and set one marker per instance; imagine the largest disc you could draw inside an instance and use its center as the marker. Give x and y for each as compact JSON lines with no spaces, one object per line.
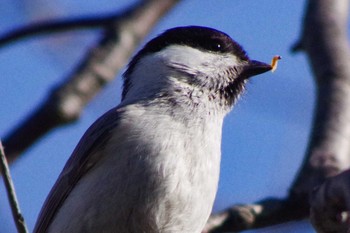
{"x":86,"y":154}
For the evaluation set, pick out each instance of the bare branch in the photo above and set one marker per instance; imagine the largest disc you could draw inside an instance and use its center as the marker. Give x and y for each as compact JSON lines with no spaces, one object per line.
{"x":324,"y":40}
{"x":11,"y":193}
{"x":42,"y":28}
{"x":262,"y":214}
{"x":101,"y":64}
{"x":330,"y":205}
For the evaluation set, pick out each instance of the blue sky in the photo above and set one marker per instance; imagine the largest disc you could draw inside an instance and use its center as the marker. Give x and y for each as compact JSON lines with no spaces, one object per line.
{"x":264,"y":138}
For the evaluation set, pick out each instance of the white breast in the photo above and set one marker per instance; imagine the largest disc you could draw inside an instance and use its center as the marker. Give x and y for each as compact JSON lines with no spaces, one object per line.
{"x":157,"y":175}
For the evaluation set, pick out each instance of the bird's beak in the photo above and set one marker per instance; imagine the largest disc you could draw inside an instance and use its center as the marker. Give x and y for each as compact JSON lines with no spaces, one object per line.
{"x":255,"y":68}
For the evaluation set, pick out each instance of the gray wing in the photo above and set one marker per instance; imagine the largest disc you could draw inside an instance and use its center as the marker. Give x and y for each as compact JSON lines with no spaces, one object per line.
{"x":84,"y":157}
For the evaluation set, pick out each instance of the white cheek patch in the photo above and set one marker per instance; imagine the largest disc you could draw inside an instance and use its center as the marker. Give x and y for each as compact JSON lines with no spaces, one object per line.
{"x":155,"y":70}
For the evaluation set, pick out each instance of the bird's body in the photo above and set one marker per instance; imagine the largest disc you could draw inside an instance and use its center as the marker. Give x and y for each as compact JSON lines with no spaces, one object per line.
{"x":151,"y":165}
{"x":169,"y":181}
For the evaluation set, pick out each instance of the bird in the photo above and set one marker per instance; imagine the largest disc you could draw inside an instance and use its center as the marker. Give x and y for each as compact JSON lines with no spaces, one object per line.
{"x":152,"y":163}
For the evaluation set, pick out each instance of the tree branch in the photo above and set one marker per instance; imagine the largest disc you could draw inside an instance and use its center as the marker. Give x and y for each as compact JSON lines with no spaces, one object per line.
{"x":43,"y":28}
{"x":330,"y":205}
{"x":100,"y":66}
{"x":326,"y":44}
{"x":11,"y":193}
{"x":324,"y":39}
{"x":265,"y":213}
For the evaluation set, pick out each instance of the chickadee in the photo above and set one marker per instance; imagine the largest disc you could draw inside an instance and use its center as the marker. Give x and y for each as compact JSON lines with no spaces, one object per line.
{"x":151,"y":164}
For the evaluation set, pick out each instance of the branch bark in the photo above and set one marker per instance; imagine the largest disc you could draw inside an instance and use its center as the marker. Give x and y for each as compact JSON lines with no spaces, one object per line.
{"x":326,"y":44}
{"x":324,"y":40}
{"x":66,"y":101}
{"x":45,"y":28}
{"x":11,"y":193}
{"x":330,"y":205}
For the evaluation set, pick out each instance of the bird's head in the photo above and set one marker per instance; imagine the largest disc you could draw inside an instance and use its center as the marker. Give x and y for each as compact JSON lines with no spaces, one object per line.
{"x":193,"y":62}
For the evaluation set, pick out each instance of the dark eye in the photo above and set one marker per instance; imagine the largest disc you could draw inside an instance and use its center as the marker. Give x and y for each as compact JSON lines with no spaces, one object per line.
{"x":216,"y":46}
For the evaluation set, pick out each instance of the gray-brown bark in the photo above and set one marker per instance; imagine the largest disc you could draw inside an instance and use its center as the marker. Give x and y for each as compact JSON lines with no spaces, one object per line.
{"x":326,"y":44}
{"x":11,"y":193}
{"x":330,"y":205}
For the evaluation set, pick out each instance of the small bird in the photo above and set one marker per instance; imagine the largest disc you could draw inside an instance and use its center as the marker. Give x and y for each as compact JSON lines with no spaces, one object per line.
{"x":151,"y":164}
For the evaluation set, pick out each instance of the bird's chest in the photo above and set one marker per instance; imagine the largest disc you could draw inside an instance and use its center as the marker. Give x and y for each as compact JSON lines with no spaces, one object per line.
{"x":162,"y":178}
{"x":155,"y":176}
{"x":180,"y":165}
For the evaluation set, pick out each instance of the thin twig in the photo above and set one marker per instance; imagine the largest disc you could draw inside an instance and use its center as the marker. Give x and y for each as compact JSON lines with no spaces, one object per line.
{"x":64,"y":25}
{"x":11,"y":194}
{"x":54,"y":27}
